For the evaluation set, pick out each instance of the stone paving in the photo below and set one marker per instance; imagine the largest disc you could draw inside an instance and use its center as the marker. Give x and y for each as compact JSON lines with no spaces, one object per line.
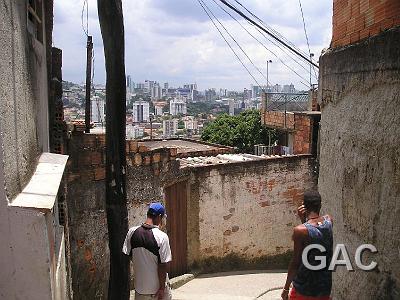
{"x":233,"y":286}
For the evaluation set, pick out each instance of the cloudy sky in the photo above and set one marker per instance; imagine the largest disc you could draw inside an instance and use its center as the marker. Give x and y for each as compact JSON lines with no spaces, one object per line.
{"x":174,"y":41}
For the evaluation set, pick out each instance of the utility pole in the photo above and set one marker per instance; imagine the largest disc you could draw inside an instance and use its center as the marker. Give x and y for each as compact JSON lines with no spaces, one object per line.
{"x":112,"y":31}
{"x":268,"y":62}
{"x":89,"y":54}
{"x":267,"y":96}
{"x":311,"y":56}
{"x":151,"y":116}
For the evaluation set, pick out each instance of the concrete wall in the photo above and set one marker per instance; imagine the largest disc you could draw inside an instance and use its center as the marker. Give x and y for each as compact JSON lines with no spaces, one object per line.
{"x":23,"y":92}
{"x":360,"y":159}
{"x":32,"y":258}
{"x":241,"y":215}
{"x":354,"y":20}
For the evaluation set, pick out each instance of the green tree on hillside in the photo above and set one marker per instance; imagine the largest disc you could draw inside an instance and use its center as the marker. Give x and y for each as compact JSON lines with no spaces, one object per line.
{"x":242,"y":131}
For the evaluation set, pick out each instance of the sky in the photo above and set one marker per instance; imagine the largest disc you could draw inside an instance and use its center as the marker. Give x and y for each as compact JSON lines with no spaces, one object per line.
{"x":174,"y":41}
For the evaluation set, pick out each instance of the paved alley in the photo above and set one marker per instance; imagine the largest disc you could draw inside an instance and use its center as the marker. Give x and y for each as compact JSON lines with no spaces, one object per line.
{"x":241,"y":285}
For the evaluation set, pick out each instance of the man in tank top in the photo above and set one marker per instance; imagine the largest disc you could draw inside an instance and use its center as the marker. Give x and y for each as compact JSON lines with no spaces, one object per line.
{"x":310,"y":284}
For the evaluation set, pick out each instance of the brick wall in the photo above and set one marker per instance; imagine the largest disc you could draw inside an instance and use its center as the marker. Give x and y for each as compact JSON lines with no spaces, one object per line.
{"x":276,"y":119}
{"x":302,"y":135}
{"x":246,"y":212}
{"x":354,"y":20}
{"x":148,"y":171}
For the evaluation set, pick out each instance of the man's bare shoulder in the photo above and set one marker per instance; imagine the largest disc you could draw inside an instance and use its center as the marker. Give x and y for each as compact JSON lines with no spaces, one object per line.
{"x":300,"y":232}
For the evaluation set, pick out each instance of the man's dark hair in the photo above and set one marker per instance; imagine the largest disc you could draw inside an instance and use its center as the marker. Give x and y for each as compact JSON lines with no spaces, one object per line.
{"x":152,"y":214}
{"x":312,"y":201}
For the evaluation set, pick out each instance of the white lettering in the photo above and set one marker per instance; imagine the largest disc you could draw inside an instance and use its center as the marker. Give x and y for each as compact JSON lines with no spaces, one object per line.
{"x":340,"y":248}
{"x":358,"y":255}
{"x":322,"y":259}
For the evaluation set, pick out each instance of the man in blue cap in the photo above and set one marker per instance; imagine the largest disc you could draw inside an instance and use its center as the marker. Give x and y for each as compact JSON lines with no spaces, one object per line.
{"x":150,"y":252}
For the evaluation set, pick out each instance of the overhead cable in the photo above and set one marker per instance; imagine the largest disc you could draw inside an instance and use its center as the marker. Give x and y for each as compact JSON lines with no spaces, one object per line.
{"x":262,"y":44}
{"x":226,"y":41}
{"x":305,"y":33}
{"x":269,"y":27}
{"x":236,"y":42}
{"x":269,"y":33}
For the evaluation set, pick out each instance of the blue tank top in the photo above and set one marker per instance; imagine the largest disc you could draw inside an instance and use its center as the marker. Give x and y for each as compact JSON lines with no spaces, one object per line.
{"x":316,"y":283}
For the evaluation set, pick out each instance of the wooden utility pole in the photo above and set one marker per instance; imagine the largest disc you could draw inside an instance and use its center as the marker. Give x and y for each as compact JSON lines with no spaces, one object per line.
{"x":112,"y":30}
{"x":89,"y":54}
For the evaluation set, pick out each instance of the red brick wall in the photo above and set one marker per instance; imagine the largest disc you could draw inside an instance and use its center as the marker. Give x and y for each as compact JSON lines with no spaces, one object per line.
{"x":302,"y":136}
{"x":276,"y":119}
{"x":354,"y":20}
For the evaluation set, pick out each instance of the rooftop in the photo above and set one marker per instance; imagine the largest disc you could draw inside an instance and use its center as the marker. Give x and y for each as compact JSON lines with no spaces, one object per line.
{"x":185,"y":146}
{"x":202,"y":161}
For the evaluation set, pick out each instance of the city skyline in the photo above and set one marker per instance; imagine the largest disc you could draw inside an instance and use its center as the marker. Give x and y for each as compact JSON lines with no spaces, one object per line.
{"x":158,"y":46}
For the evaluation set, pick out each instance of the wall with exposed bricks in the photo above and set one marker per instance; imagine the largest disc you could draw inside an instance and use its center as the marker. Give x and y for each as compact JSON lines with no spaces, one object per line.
{"x":231,"y":207}
{"x":302,"y":135}
{"x":278,"y":119}
{"x":147,"y":173}
{"x":246,"y":212}
{"x":299,"y":125}
{"x":354,"y":20}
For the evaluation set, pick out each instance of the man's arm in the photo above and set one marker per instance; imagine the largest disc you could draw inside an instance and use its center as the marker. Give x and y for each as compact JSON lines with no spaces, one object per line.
{"x":162,"y":275}
{"x":165,"y":258}
{"x":299,"y":236}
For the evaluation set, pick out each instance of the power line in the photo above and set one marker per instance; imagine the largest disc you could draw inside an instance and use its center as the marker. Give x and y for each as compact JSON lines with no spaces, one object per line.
{"x":230,"y":35}
{"x":269,"y":33}
{"x":283,"y":49}
{"x":277,"y":44}
{"x":304,"y":26}
{"x":268,"y":27}
{"x":226,"y":41}
{"x":290,"y":55}
{"x":262,"y":44}
{"x":305,"y":33}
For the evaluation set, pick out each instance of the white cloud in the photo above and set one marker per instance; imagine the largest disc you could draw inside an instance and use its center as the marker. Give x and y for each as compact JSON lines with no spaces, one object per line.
{"x":174,"y":41}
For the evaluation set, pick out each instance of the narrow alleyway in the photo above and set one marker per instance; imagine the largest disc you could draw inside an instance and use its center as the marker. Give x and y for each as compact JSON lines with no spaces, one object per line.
{"x":241,"y":285}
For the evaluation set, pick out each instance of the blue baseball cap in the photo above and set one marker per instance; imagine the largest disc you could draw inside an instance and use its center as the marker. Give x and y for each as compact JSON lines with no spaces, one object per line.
{"x":156,"y":209}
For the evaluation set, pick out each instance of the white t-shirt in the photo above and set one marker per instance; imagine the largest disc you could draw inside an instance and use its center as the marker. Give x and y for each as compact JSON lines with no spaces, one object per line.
{"x":149,"y":246}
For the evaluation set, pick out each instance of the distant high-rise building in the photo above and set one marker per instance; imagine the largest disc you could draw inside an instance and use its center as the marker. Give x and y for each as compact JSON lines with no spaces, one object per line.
{"x":98,"y":110}
{"x":190,"y":123}
{"x":134,"y":132}
{"x":170,"y":127}
{"x":140,"y":86}
{"x":141,"y":111}
{"x":190,"y":86}
{"x":129,"y":84}
{"x":148,"y":86}
{"x":210,"y":95}
{"x":223,"y":92}
{"x":277,"y":88}
{"x":183,"y":94}
{"x":177,"y":107}
{"x":289,"y":88}
{"x":247,"y":94}
{"x":256,"y":91}
{"x":166,"y":85}
{"x":231,"y":107}
{"x":158,"y":108}
{"x":155,"y":92}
